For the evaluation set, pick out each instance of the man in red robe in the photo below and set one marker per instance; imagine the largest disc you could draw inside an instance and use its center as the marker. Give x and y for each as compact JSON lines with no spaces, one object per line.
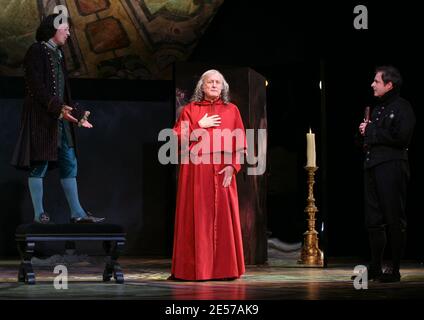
{"x":207,"y":239}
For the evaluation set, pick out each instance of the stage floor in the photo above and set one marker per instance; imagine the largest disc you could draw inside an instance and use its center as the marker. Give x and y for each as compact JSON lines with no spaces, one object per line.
{"x":146,"y":279}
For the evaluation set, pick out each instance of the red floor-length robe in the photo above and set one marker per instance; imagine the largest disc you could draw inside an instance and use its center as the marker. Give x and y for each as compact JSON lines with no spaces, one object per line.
{"x":207,"y":238}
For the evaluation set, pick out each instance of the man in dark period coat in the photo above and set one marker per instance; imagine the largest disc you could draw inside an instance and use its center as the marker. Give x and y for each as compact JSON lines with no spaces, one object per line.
{"x":47,"y":134}
{"x":386,"y":138}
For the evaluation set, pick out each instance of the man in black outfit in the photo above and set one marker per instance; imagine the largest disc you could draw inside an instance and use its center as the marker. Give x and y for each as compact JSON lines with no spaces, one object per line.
{"x":386,"y":137}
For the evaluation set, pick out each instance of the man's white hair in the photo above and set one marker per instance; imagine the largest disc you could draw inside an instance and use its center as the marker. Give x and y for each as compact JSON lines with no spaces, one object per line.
{"x":198,"y":94}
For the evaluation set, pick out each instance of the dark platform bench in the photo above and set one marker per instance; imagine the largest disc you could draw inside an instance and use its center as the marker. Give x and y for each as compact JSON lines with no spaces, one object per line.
{"x":112,"y":235}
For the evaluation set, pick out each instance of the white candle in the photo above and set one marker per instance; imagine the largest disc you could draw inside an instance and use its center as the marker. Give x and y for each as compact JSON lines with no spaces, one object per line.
{"x":310,"y":149}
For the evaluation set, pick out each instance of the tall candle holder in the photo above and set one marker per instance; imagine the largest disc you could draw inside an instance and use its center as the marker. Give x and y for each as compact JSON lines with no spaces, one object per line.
{"x":311,"y":255}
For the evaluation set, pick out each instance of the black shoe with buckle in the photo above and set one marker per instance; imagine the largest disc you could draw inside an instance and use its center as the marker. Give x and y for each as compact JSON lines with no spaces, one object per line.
{"x":93,"y":218}
{"x":44,"y":218}
{"x":89,"y":218}
{"x":390,"y":275}
{"x":374,"y":274}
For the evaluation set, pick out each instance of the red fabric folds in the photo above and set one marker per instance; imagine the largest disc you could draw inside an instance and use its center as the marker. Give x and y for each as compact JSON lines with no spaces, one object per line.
{"x":207,"y":237}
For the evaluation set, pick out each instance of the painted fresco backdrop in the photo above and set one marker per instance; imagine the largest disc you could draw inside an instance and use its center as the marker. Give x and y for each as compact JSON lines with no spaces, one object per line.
{"x":116,"y":39}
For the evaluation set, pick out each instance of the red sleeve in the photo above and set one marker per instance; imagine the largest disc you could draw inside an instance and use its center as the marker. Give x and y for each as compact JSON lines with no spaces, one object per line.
{"x":239,"y":145}
{"x":184,"y":127}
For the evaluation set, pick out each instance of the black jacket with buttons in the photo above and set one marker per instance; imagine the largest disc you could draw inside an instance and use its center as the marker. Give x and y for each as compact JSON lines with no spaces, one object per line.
{"x":389,"y":133}
{"x":38,"y":134}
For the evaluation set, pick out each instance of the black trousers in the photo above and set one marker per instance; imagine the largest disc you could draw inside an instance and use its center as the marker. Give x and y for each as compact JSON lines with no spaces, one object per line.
{"x":385,"y":187}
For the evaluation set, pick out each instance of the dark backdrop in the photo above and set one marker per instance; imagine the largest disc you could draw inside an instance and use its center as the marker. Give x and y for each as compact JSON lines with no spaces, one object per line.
{"x":119,"y":176}
{"x":295,"y":45}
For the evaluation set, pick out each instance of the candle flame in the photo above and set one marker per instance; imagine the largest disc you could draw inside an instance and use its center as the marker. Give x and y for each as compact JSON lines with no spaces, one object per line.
{"x":310,"y":131}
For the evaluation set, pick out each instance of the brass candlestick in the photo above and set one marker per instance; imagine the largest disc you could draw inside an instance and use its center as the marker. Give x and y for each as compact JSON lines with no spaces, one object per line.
{"x":311,"y":254}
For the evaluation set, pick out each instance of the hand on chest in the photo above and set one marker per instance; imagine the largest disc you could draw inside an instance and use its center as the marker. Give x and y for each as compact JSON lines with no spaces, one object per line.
{"x":226,"y":118}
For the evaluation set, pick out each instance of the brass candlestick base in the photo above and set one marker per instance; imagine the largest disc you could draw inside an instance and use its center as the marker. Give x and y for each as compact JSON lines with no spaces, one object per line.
{"x":311,"y":254}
